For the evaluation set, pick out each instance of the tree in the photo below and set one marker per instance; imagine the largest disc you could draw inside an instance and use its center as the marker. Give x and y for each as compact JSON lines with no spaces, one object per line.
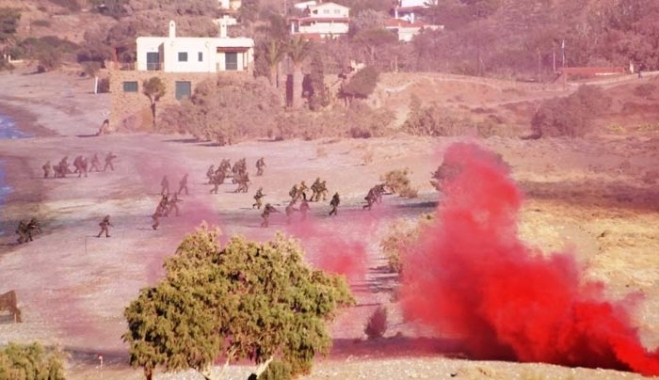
{"x":361,"y":85}
{"x":274,"y":52}
{"x":9,"y":18}
{"x":314,"y":86}
{"x":31,"y":362}
{"x":298,"y":50}
{"x":367,"y":19}
{"x":154,"y":89}
{"x":244,"y":300}
{"x":373,"y":39}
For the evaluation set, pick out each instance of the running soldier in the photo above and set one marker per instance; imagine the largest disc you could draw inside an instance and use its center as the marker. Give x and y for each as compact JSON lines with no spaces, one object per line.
{"x":164,"y":186}
{"x":105,"y":223}
{"x":172,"y":205}
{"x":257,"y":197}
{"x":293,"y":193}
{"x":260,"y":164}
{"x":210,"y":173}
{"x":302,"y":190}
{"x":371,"y":197}
{"x":218,"y":179}
{"x":32,"y":227}
{"x":46,"y":169}
{"x":21,"y":230}
{"x":183,"y":185}
{"x":108,"y":161}
{"x":243,"y":182}
{"x":335,"y":204}
{"x":267,"y":210}
{"x":315,"y":190}
{"x":82,"y":167}
{"x":94,"y":163}
{"x":323,"y":190}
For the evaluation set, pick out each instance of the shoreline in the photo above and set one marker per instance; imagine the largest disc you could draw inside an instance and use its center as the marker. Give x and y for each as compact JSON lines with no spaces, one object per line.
{"x":26,"y":121}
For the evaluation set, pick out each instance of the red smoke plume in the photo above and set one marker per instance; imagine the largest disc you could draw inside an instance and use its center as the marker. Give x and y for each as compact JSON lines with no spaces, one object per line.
{"x":472,"y":276}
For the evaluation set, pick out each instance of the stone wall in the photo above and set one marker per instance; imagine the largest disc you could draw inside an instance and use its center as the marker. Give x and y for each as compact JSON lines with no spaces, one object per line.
{"x":131,"y":110}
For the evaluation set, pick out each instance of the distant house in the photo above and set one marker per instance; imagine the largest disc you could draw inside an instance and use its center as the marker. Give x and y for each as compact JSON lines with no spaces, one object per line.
{"x":181,"y":63}
{"x":325,"y":20}
{"x":407,"y":7}
{"x":407,"y":27}
{"x":174,"y":54}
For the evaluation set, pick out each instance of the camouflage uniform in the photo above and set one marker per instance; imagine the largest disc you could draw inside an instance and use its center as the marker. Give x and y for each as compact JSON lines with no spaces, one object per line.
{"x":105,"y":223}
{"x":46,"y":169}
{"x":259,"y":194}
{"x":32,"y":227}
{"x":260,"y":164}
{"x":183,"y":184}
{"x":21,"y":230}
{"x":108,"y":161}
{"x":266,"y":214}
{"x":370,"y":199}
{"x":335,"y":204}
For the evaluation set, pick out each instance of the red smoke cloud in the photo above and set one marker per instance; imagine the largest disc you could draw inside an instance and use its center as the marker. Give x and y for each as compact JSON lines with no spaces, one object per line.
{"x":472,"y":276}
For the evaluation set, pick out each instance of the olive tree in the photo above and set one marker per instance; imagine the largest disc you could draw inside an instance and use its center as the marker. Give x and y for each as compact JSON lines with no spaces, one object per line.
{"x":244,"y":300}
{"x":154,"y":89}
{"x":31,"y":362}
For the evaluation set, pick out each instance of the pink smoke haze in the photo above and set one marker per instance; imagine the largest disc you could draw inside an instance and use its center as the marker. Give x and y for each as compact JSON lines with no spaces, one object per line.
{"x":473,"y":278}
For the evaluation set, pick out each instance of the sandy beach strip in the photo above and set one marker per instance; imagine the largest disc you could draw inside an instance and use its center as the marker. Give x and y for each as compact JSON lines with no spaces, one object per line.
{"x":26,"y":121}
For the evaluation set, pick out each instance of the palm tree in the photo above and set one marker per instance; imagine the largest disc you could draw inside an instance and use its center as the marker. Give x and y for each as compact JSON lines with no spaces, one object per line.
{"x":298,"y":50}
{"x":275,"y":51}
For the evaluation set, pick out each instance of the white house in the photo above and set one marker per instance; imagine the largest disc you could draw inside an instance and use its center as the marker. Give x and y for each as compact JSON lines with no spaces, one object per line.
{"x":323,"y":20}
{"x":407,"y":27}
{"x":174,"y":54}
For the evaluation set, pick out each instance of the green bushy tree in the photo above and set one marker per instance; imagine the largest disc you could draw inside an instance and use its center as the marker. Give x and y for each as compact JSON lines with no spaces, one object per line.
{"x":244,"y":300}
{"x":154,"y":89}
{"x":31,"y":362}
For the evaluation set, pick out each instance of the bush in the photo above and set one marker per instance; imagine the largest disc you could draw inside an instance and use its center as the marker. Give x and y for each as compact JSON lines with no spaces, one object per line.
{"x":277,"y":370}
{"x":398,"y":182}
{"x":377,"y":324}
{"x":30,"y":362}
{"x":435,"y":121}
{"x":571,"y":116}
{"x":41,"y":23}
{"x":399,"y":238}
{"x":70,"y":5}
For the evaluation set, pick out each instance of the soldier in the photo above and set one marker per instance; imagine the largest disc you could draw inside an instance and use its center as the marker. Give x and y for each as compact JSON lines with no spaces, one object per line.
{"x":32,"y":227}
{"x":183,"y":184}
{"x":210,"y":173}
{"x":172,"y":204}
{"x":156,"y":218}
{"x":304,"y":207}
{"x":46,"y":169}
{"x":95,"y":162}
{"x":323,"y":190}
{"x":302,"y":190}
{"x":379,"y":191}
{"x":370,"y":199}
{"x":267,"y":210}
{"x":76,"y":164}
{"x":218,"y":179}
{"x":108,"y":161}
{"x":243,"y":182}
{"x":260,"y":164}
{"x":293,"y":192}
{"x":63,"y":167}
{"x":290,"y":209}
{"x":105,"y":223}
{"x":164,"y":186}
{"x":335,"y":204}
{"x":21,"y":230}
{"x":315,"y":190}
{"x":259,"y":194}
{"x":82,"y":167}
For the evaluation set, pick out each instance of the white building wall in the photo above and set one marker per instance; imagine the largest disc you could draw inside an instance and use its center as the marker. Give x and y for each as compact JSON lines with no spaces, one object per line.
{"x":325,"y":28}
{"x":191,"y":46}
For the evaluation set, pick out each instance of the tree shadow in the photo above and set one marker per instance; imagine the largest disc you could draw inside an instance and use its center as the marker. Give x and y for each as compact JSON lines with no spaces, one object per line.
{"x":88,"y":135}
{"x":189,"y":140}
{"x":397,"y":347}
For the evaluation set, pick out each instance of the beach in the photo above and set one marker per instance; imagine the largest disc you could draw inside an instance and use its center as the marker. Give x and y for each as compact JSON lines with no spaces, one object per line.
{"x":73,"y":286}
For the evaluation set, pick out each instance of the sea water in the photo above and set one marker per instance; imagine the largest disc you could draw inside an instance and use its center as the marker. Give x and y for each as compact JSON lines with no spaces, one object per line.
{"x":8,"y":130}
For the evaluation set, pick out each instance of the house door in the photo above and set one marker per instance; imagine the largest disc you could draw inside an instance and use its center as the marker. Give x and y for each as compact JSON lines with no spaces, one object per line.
{"x":153,"y":61}
{"x":231,"y":61}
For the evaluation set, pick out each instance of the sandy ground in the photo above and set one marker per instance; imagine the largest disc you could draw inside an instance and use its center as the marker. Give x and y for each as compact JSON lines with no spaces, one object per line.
{"x":73,"y":286}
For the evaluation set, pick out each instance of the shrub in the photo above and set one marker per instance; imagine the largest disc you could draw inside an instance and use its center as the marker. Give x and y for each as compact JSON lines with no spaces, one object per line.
{"x":41,"y":23}
{"x":29,"y":362}
{"x":361,"y":85}
{"x":398,"y":182}
{"x":435,"y":121}
{"x":377,"y":324}
{"x":277,"y":370}
{"x":570,"y":116}
{"x":400,"y":237}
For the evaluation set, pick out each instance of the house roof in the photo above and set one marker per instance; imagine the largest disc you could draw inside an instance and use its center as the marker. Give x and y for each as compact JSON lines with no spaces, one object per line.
{"x":303,"y":20}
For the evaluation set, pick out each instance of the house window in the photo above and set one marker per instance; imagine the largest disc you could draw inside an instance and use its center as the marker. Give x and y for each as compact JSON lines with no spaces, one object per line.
{"x":337,"y":11}
{"x":183,"y":90}
{"x":183,"y":57}
{"x":231,"y":61}
{"x":200,"y":57}
{"x":326,"y":11}
{"x":153,"y":61}
{"x":130,"y":86}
